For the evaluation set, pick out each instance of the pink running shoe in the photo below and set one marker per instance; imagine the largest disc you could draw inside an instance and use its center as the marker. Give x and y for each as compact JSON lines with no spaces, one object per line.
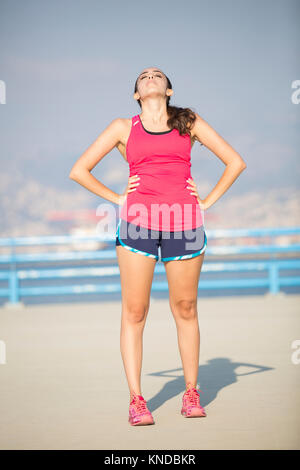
{"x":191,"y":407}
{"x":139,"y":415}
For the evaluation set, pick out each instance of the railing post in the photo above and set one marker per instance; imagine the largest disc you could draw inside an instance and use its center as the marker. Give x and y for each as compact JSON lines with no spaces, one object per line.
{"x":13,"y":287}
{"x":273,"y":278}
{"x":13,"y":282}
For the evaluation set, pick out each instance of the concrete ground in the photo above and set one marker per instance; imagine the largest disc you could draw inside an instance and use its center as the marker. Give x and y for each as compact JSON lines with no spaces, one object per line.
{"x":63,"y":384}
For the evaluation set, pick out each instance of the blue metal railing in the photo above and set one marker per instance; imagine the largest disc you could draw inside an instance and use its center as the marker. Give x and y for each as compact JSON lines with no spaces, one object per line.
{"x":272,"y":266}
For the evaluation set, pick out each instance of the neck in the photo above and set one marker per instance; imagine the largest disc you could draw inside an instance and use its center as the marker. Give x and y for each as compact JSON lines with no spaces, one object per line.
{"x":154,"y":114}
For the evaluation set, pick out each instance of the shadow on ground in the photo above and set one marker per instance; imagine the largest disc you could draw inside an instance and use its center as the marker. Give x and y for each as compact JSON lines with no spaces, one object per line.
{"x":213,"y":376}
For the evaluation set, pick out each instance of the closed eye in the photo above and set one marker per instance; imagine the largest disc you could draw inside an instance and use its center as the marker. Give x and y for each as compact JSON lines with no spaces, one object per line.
{"x":157,"y":75}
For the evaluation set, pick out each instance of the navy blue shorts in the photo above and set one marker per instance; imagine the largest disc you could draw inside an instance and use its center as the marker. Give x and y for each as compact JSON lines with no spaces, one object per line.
{"x":173,"y":245}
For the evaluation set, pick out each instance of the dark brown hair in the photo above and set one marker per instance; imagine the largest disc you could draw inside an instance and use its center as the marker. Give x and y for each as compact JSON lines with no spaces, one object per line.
{"x":181,"y":119}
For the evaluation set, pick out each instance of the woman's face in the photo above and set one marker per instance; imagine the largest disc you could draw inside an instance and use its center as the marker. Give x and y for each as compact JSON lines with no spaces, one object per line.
{"x":151,"y":80}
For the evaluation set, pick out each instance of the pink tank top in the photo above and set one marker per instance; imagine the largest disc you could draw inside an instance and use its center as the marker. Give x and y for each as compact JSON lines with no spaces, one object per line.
{"x":162,"y":160}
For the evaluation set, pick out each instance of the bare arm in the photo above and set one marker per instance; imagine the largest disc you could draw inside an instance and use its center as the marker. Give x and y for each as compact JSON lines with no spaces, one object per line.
{"x":81,"y":171}
{"x":233,"y":161}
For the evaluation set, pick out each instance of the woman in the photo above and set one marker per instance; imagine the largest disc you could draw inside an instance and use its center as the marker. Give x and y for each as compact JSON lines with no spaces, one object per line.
{"x":160,"y":209}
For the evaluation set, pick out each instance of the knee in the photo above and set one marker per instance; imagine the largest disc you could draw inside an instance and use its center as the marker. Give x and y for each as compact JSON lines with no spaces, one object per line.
{"x":135,"y":313}
{"x":186,"y":309}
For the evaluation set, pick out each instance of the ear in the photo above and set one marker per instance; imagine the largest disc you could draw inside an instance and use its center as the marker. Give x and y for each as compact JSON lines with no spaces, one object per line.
{"x":169,"y":92}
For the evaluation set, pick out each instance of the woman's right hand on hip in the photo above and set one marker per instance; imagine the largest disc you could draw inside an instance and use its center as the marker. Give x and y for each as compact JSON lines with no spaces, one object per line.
{"x":133,"y":181}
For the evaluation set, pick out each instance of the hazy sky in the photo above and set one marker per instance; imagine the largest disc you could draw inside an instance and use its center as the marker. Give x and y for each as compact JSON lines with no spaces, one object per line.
{"x":70,"y":68}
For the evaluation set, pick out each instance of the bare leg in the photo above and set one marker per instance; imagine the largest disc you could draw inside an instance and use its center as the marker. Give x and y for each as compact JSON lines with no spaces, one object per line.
{"x":136,"y":272}
{"x":183,"y":278}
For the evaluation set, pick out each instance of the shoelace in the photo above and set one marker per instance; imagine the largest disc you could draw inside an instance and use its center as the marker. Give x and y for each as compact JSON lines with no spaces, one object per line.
{"x":140,"y":404}
{"x":194,"y":395}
